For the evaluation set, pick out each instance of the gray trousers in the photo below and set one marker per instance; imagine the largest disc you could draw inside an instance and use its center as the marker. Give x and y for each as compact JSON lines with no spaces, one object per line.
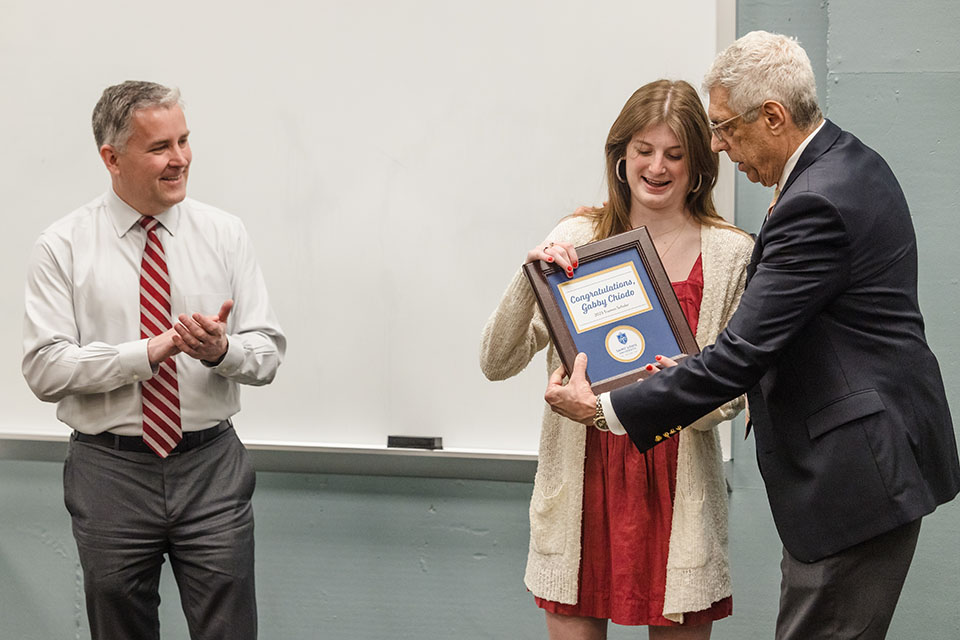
{"x":851,"y":594}
{"x":129,"y":509}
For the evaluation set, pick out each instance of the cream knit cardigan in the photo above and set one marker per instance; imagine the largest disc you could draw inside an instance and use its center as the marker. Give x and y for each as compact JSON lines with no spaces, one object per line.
{"x":698,"y":571}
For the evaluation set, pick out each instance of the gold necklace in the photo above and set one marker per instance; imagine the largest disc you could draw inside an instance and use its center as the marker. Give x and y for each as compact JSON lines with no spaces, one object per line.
{"x":679,"y":230}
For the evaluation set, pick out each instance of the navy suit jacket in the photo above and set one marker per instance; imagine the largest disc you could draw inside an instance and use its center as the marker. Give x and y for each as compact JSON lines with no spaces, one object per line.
{"x":854,"y":435}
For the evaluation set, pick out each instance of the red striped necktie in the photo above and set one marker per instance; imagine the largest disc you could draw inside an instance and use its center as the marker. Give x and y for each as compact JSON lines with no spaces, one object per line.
{"x":161,"y":396}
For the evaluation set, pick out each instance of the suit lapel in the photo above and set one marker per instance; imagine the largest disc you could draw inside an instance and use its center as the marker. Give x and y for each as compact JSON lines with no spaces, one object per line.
{"x":754,"y":258}
{"x":817,"y":147}
{"x":821,"y":142}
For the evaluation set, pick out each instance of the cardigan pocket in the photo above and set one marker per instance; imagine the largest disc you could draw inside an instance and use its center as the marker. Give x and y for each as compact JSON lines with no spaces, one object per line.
{"x":688,"y":543}
{"x":548,"y":535}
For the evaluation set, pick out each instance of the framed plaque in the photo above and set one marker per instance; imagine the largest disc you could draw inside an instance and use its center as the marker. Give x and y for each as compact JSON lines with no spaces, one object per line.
{"x":619,"y":309}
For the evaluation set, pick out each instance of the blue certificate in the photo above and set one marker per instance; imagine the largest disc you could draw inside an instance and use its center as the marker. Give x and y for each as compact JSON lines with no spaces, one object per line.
{"x":620,"y":309}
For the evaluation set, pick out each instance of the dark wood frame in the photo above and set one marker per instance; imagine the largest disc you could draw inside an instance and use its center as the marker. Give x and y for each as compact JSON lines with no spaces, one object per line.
{"x":638,"y":239}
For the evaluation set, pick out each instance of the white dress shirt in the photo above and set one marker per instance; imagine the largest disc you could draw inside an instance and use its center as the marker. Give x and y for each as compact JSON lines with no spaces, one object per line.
{"x":81,"y":335}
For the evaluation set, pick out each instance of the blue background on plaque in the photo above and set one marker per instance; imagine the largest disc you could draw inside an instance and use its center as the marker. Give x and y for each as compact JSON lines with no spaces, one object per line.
{"x":653,"y":325}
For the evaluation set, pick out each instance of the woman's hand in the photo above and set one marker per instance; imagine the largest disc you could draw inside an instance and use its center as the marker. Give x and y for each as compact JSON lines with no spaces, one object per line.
{"x":662,"y":363}
{"x":561,"y":253}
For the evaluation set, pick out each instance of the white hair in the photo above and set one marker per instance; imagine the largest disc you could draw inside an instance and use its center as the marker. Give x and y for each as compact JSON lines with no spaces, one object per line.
{"x":767,"y":66}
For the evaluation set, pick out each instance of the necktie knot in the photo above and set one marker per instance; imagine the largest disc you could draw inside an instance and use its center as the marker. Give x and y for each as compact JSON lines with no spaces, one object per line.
{"x":149,"y":223}
{"x":773,"y":202}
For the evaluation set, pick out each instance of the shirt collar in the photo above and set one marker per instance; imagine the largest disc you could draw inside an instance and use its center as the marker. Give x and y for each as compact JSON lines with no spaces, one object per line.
{"x":124,"y":216}
{"x":792,"y":161}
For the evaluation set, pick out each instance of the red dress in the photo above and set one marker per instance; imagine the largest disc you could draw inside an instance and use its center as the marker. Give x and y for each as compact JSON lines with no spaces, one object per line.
{"x":627,"y":514}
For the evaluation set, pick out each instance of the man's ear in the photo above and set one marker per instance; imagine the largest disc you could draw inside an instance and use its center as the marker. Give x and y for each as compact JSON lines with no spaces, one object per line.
{"x":111,"y":158}
{"x":775,"y":116}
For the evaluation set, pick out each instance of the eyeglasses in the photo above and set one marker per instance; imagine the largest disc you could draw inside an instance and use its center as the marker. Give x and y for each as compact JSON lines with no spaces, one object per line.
{"x":720,"y":129}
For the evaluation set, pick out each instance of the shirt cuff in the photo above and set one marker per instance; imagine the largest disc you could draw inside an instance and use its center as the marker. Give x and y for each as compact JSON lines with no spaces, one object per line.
{"x":613,"y":422}
{"x":133,"y":360}
{"x":232,"y":360}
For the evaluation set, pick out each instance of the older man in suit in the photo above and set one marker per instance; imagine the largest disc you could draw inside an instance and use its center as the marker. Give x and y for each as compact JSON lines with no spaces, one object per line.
{"x":854,"y":436}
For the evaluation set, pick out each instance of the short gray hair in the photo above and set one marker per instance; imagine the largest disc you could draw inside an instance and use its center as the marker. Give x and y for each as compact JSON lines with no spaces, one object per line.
{"x":113,"y":115}
{"x":767,"y":66}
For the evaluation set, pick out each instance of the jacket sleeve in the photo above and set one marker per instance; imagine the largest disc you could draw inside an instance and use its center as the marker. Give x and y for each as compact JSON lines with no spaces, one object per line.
{"x":802,"y":266}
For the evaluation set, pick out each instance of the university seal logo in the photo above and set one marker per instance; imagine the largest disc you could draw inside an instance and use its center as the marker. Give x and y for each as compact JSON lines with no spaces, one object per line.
{"x":625,"y":343}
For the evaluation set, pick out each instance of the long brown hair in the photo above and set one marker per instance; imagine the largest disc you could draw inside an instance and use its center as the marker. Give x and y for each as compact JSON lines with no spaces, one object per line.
{"x":676,"y":104}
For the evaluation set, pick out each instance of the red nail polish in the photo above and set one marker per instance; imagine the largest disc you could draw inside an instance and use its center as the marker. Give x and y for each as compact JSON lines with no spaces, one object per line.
{"x":549,"y":258}
{"x":649,"y":367}
{"x":576,"y":264}
{"x":658,"y":358}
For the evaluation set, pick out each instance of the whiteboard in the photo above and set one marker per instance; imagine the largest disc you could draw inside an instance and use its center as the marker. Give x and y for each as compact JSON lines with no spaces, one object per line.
{"x":393,"y":162}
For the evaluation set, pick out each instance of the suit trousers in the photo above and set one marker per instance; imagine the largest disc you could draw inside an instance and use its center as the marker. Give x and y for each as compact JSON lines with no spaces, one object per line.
{"x":851,"y":594}
{"x":129,"y":509}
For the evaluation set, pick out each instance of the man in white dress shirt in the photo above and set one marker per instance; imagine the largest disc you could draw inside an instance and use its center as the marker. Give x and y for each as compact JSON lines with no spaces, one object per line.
{"x":144,"y":312}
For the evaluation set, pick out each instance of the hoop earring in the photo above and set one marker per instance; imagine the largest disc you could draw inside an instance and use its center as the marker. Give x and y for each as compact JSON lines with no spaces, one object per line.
{"x":699,"y":183}
{"x":621,"y":179}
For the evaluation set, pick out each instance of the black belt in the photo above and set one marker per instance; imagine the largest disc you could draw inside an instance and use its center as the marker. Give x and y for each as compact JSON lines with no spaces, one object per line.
{"x":191,"y":439}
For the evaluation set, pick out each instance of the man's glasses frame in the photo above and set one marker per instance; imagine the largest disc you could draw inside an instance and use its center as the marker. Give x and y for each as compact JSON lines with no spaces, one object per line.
{"x":720,"y":128}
